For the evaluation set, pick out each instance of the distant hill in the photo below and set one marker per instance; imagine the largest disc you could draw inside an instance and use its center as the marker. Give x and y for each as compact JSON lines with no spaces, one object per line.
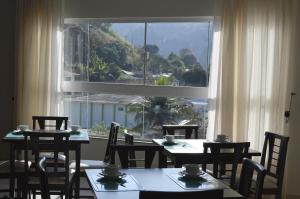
{"x":170,"y":37}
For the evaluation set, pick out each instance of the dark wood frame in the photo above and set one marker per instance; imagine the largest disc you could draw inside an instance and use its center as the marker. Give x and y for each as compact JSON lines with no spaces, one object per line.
{"x":267,"y":160}
{"x":59,"y":120}
{"x":246,"y":178}
{"x":150,"y":151}
{"x":180,"y":158}
{"x":19,"y":145}
{"x":221,"y":159}
{"x":41,"y":166}
{"x":38,"y":142}
{"x":215,"y":194}
{"x":189,"y":130}
{"x":129,"y":140}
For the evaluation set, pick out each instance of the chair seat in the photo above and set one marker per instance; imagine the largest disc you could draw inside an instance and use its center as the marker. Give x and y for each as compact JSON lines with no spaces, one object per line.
{"x":270,"y":185}
{"x":19,"y":166}
{"x":51,"y":180}
{"x":89,"y":164}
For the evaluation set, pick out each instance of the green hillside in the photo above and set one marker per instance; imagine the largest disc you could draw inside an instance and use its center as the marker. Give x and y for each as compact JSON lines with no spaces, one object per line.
{"x":106,"y":56}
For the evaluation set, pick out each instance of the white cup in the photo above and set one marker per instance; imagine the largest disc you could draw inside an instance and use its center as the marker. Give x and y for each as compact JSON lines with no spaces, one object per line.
{"x":23,"y":127}
{"x":192,"y":169}
{"x":170,"y":138}
{"x":75,"y":127}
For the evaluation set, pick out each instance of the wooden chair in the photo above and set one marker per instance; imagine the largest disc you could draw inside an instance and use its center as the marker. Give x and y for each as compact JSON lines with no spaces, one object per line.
{"x":41,"y":120}
{"x":129,"y":140}
{"x":97,"y":164}
{"x":248,"y":168}
{"x":41,"y":166}
{"x":100,"y":164}
{"x":273,"y":158}
{"x":149,"y":151}
{"x":58,"y":177}
{"x":189,"y":130}
{"x":42,"y":123}
{"x":225,"y":154}
{"x":5,"y":174}
{"x":215,"y":194}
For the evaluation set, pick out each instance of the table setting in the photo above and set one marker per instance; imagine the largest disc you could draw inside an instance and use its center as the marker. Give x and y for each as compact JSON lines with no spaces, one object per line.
{"x":112,"y":179}
{"x":191,"y":176}
{"x":73,"y":130}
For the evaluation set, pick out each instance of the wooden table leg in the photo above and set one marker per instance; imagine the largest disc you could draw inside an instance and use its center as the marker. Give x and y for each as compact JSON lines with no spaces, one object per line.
{"x":12,"y":171}
{"x":77,"y":171}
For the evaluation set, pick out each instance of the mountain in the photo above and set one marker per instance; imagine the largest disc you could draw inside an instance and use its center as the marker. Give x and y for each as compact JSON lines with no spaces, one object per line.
{"x":170,"y":37}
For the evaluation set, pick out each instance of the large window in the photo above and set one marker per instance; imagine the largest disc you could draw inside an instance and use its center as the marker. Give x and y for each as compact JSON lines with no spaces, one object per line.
{"x":139,"y":74}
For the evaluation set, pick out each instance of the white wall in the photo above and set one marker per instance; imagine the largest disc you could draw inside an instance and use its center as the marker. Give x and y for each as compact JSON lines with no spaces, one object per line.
{"x":293,"y":159}
{"x":137,"y":8}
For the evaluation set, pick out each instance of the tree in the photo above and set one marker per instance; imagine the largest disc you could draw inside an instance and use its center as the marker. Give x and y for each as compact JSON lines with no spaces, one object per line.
{"x":195,"y":77}
{"x":98,"y":68}
{"x":158,"y":64}
{"x":163,"y":81}
{"x":157,"y":111}
{"x":152,"y":48}
{"x":188,"y":57}
{"x":113,"y":52}
{"x":102,"y":26}
{"x":175,"y":61}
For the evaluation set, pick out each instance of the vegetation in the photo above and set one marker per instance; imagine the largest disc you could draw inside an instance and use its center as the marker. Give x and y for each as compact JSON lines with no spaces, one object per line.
{"x":157,"y":111}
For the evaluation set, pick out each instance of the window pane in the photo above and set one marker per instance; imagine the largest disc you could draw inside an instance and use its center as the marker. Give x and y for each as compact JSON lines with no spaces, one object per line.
{"x":104,"y":52}
{"x":142,"y":116}
{"x":178,"y":53}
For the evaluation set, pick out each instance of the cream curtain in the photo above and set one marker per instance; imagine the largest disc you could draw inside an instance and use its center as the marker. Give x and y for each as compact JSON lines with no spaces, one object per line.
{"x":38,"y":58}
{"x":252,"y":68}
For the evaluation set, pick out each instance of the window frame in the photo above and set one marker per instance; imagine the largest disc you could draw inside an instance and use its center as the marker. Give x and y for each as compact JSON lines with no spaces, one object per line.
{"x":137,"y":89}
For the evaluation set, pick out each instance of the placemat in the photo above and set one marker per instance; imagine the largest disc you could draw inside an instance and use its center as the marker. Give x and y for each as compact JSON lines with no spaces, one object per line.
{"x":205,"y":182}
{"x":126,"y":183}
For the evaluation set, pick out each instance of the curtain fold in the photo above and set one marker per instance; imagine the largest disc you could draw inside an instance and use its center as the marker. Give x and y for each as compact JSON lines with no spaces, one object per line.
{"x":38,"y":58}
{"x":254,"y":63}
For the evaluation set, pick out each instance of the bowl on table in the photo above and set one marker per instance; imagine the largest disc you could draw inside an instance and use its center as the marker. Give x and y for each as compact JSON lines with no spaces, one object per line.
{"x":23,"y":127}
{"x":191,"y":171}
{"x":111,"y":172}
{"x":169,"y":140}
{"x":75,"y":128}
{"x":222,"y":138}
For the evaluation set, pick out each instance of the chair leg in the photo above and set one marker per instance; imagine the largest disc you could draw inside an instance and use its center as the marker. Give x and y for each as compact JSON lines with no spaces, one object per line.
{"x":34,"y":194}
{"x":278,"y":194}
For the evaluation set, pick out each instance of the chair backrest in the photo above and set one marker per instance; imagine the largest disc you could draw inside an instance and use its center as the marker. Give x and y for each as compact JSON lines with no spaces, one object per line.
{"x":129,"y":140}
{"x":215,"y":194}
{"x":246,"y":178}
{"x":274,"y":155}
{"x":41,"y":120}
{"x":222,"y":154}
{"x":41,"y":166}
{"x":189,"y":130}
{"x":112,"y":140}
{"x":39,"y":142}
{"x":149,"y":150}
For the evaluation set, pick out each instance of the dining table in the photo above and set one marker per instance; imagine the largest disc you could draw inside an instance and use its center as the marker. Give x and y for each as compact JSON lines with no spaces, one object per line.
{"x":191,"y":151}
{"x":16,"y":140}
{"x":154,"y":179}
